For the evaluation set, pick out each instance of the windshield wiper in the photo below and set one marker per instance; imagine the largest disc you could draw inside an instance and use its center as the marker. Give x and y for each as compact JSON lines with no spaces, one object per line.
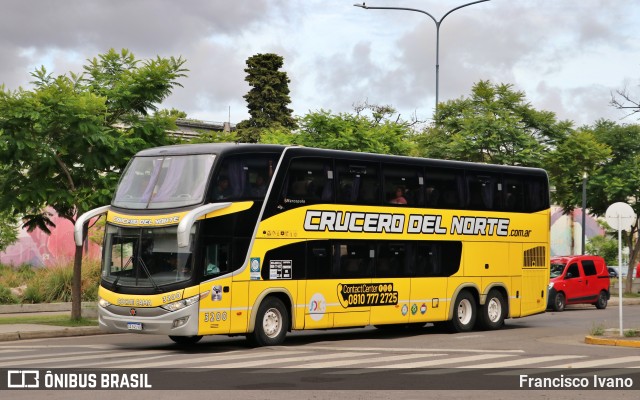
{"x":146,"y":271}
{"x":115,"y":281}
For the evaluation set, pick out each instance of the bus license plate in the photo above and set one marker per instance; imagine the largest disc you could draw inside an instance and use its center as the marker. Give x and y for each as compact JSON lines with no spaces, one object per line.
{"x":134,"y":326}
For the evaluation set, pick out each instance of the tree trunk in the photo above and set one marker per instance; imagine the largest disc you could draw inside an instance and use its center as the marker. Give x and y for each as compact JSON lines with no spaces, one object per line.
{"x":634,"y":250}
{"x":76,"y":285}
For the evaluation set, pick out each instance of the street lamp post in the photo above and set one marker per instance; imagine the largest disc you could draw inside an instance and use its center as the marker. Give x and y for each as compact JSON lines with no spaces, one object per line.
{"x":437,"y":22}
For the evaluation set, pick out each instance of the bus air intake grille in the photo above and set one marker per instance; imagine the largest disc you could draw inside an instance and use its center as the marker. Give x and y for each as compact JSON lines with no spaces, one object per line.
{"x":535,"y":257}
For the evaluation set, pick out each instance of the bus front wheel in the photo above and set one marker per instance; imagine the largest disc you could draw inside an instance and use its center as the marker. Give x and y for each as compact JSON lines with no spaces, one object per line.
{"x":464,"y":313}
{"x":272,"y":322}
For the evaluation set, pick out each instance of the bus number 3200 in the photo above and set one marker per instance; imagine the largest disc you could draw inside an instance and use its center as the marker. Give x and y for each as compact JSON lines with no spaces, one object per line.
{"x":215,"y":316}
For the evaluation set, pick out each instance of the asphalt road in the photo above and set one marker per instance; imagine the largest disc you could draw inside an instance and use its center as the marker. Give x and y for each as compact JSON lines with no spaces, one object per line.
{"x":363,"y":363}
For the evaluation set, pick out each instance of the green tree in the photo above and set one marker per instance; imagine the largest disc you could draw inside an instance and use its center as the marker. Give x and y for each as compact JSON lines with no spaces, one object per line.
{"x":613,"y":179}
{"x":580,"y":152}
{"x":172,"y":113}
{"x":495,"y":125}
{"x":65,"y":141}
{"x":357,"y":132}
{"x":268,"y":98}
{"x":618,"y":179}
{"x":604,"y":246}
{"x":214,"y":137}
{"x":8,"y":221}
{"x":8,"y":230}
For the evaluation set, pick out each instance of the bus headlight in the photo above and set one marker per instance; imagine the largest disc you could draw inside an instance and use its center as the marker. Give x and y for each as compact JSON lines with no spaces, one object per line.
{"x":180,"y":304}
{"x":103,"y":303}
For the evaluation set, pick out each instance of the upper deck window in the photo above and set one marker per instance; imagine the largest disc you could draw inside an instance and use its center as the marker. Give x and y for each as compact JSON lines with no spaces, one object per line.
{"x":245,"y":177}
{"x":164,"y":182}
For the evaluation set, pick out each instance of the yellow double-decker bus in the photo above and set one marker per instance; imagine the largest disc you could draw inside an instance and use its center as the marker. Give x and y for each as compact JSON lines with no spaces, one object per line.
{"x":260,"y":240}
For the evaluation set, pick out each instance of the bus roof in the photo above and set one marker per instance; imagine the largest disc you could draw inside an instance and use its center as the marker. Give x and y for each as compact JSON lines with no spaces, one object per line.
{"x":211,"y":148}
{"x":373,"y":157}
{"x":294,"y":151}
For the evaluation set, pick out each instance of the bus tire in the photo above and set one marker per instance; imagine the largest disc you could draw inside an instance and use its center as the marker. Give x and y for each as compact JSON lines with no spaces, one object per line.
{"x":491,"y":316}
{"x":272,"y":322}
{"x":185,"y":340}
{"x":464,"y":313}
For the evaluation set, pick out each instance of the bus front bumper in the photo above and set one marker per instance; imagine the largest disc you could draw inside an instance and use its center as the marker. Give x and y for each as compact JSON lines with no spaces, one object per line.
{"x":155,"y":321}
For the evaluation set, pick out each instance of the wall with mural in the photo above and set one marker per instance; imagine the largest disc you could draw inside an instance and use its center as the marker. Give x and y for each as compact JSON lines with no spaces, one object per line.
{"x":41,"y":250}
{"x":566,"y":231}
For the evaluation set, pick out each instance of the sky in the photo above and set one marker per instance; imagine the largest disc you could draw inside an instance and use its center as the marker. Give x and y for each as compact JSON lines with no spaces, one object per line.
{"x":567,"y":56}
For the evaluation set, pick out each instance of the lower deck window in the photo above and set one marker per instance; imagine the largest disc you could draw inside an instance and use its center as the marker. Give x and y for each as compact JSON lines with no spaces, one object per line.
{"x":332,"y":259}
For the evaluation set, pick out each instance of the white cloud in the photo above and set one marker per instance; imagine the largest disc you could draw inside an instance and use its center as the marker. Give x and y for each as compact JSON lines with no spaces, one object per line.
{"x":568,"y":56}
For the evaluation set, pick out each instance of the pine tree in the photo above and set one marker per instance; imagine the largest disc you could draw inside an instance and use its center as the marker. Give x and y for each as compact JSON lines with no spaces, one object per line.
{"x":268,"y":98}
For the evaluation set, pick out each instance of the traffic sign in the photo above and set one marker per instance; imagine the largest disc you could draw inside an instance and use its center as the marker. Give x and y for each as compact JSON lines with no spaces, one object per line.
{"x":620,"y":216}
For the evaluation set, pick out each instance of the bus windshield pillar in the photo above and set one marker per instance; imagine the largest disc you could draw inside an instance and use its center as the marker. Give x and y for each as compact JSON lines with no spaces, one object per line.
{"x":184,"y":227}
{"x":77,"y":228}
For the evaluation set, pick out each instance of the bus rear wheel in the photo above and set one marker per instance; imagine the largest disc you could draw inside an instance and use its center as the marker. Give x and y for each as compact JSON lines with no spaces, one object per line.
{"x":185,"y":340}
{"x":464,"y":313}
{"x":272,"y":322}
{"x":493,"y":313}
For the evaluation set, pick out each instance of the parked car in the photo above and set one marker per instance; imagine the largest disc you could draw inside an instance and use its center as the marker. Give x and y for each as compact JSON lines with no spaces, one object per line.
{"x":612,"y":272}
{"x":622,"y":272}
{"x":578,"y":279}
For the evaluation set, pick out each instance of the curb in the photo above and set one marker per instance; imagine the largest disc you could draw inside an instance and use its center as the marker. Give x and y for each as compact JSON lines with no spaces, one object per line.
{"x":43,"y":334}
{"x":612,"y":342}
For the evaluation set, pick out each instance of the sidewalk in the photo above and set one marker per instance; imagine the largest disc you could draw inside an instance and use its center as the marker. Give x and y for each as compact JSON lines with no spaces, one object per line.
{"x":13,"y":332}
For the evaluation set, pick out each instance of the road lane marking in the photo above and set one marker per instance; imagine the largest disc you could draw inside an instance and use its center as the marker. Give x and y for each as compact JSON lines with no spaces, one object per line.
{"x":262,"y":363}
{"x":214,"y":360}
{"x":520,"y":362}
{"x":346,"y":363}
{"x":410,"y":350}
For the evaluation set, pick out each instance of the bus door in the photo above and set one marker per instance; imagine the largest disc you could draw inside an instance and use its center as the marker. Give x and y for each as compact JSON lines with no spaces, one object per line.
{"x":434,"y":263}
{"x":215,"y":307}
{"x":390,"y":292}
{"x":338,"y":278}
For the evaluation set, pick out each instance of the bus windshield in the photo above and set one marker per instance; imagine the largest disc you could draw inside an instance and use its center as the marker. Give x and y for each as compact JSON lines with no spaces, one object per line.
{"x":164,"y":182}
{"x":143,"y":257}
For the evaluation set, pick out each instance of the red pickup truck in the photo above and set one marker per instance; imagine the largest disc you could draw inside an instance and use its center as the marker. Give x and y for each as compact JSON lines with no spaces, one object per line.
{"x":578,"y":280}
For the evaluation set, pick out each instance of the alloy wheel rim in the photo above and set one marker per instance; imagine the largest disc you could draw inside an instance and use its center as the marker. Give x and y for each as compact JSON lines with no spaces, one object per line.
{"x":271,"y":322}
{"x":464,"y":311}
{"x":494,"y":310}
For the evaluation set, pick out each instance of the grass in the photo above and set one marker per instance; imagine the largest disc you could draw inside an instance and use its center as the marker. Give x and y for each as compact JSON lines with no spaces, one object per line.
{"x":597,"y":330}
{"x":57,"y":320}
{"x":47,"y":285}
